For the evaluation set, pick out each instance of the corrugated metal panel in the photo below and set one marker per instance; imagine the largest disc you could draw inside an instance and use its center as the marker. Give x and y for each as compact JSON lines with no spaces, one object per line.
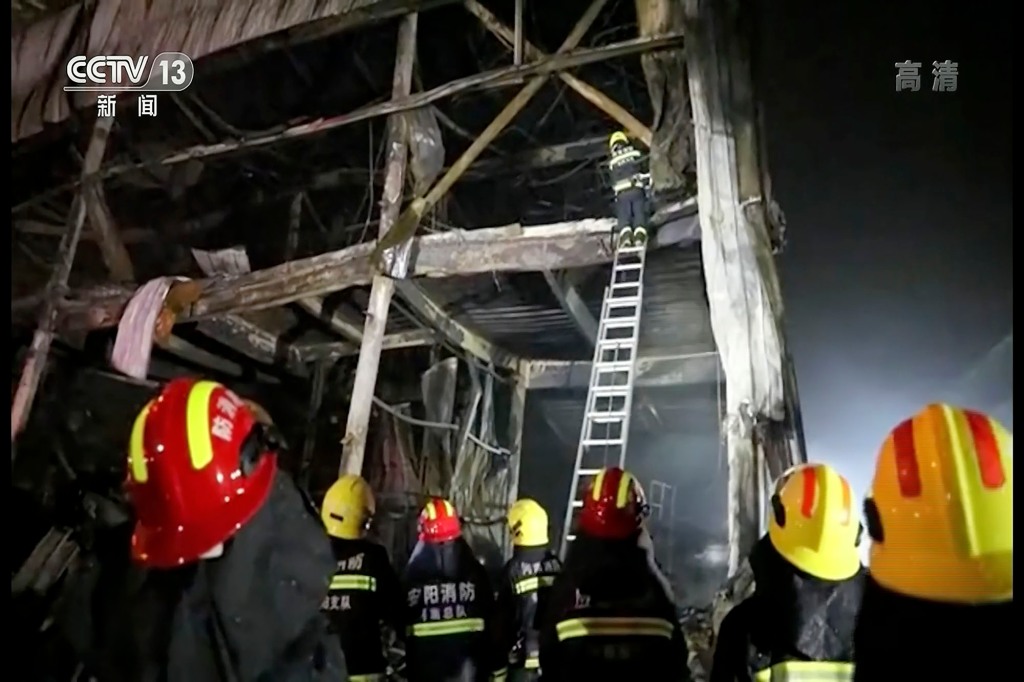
{"x":137,"y":27}
{"x":675,"y":314}
{"x":527,"y":325}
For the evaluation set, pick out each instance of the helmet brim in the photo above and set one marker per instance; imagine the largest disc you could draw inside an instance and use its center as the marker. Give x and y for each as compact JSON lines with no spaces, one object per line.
{"x":174,"y":546}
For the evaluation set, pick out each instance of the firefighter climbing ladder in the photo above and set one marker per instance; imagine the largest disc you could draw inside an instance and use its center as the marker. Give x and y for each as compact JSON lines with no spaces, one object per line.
{"x":610,"y":395}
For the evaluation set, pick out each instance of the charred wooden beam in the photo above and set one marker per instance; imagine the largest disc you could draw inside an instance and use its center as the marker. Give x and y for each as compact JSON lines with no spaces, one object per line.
{"x":338,"y":321}
{"x":383,"y":288}
{"x":497,"y":78}
{"x":671,"y":370}
{"x":254,"y":342}
{"x":410,"y":218}
{"x":542,"y":157}
{"x":451,"y":329}
{"x":458,"y":252}
{"x":414,"y":338}
{"x":515,"y":40}
{"x":736,"y":209}
{"x":568,"y":297}
{"x":671,"y":142}
{"x":39,"y":350}
{"x":112,"y":248}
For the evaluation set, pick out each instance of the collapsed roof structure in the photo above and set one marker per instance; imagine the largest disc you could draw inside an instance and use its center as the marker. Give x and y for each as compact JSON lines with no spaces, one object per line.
{"x":356,"y":192}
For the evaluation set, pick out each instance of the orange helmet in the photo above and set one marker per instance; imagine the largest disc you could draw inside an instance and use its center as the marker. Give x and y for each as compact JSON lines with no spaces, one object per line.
{"x":940,"y":512}
{"x":439,"y":522}
{"x":198,"y":468}
{"x":813,"y":523}
{"x":614,"y":507}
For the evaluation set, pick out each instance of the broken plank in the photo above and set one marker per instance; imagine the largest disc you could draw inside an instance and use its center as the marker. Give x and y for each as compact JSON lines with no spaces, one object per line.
{"x":253,"y":341}
{"x":670,"y":370}
{"x":572,"y":303}
{"x":458,"y":252}
{"x":451,"y":329}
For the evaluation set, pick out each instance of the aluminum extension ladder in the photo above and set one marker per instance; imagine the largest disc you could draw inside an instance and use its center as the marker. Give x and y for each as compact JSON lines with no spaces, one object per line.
{"x":613,"y":370}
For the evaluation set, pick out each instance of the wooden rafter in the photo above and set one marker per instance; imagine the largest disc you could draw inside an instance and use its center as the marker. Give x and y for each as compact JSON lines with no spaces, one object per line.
{"x":410,"y":218}
{"x":510,"y":248}
{"x":498,"y":78}
{"x":35,"y":362}
{"x":587,"y":91}
{"x":455,"y":332}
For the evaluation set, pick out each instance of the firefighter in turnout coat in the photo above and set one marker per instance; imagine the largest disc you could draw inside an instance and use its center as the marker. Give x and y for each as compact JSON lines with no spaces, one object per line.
{"x":798,"y":624}
{"x":609,"y":617}
{"x":453,"y":631}
{"x":524,"y":588}
{"x":629,"y":183}
{"x":364,"y":591}
{"x":229,"y":561}
{"x":938,"y":603}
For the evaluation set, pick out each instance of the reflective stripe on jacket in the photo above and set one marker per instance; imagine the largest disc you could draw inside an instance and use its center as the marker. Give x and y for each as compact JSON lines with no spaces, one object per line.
{"x":806,"y":671}
{"x":438,"y":628}
{"x":349,"y":581}
{"x":534,"y":583}
{"x":602,"y":626}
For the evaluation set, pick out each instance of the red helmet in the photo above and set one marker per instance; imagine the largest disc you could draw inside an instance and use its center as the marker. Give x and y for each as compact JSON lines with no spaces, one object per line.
{"x":439,"y":521}
{"x":614,"y":507}
{"x":198,"y":468}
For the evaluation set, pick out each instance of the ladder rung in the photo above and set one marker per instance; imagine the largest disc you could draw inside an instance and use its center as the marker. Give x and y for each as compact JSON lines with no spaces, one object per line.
{"x":612,"y":391}
{"x":614,"y":366}
{"x":620,"y":322}
{"x":577,"y":504}
{"x":623,"y":343}
{"x":588,"y":472}
{"x":606,"y":417}
{"x":592,"y":442}
{"x":628,"y":266}
{"x":570,"y":538}
{"x":623,"y":285}
{"x":623,"y":301}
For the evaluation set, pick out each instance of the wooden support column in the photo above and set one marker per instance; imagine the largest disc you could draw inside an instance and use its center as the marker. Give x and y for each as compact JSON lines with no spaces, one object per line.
{"x":514,"y":39}
{"x":383,"y":288}
{"x":114,"y":252}
{"x":516,"y":421}
{"x":672,"y":140}
{"x":35,"y":362}
{"x":406,"y":225}
{"x":736,"y":212}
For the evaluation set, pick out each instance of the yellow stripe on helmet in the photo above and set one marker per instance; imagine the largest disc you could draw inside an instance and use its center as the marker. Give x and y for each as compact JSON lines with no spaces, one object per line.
{"x":197,"y":421}
{"x":976,"y":503}
{"x":136,"y":446}
{"x":449,"y":510}
{"x":622,"y":494}
{"x":595,"y":490}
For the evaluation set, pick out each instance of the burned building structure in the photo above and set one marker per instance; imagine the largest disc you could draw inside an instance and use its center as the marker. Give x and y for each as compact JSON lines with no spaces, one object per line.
{"x":387,"y":222}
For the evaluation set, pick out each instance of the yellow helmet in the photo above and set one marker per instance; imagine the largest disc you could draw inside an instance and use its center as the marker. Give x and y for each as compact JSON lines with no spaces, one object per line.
{"x":813,"y":524}
{"x":618,"y":137}
{"x":528,"y":523}
{"x":940,"y":511}
{"x":348,"y":508}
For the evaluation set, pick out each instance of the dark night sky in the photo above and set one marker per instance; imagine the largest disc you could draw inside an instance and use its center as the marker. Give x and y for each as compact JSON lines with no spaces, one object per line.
{"x":898,"y":274}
